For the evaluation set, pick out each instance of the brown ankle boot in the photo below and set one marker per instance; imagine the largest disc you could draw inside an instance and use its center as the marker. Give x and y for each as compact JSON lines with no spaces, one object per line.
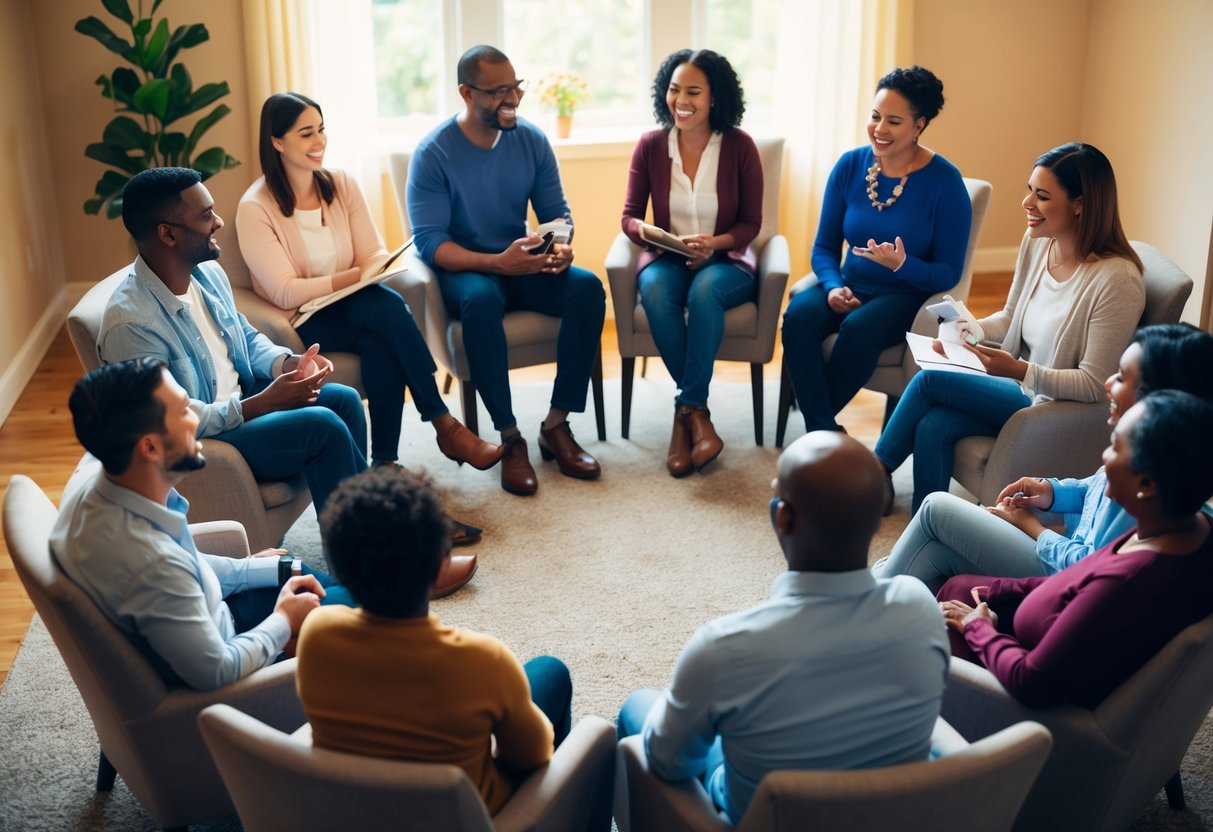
{"x":706,"y":445}
{"x":678,"y":460}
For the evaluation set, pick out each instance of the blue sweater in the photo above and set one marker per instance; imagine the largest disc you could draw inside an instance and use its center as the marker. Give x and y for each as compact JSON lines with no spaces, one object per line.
{"x":932,"y":217}
{"x":478,"y":198}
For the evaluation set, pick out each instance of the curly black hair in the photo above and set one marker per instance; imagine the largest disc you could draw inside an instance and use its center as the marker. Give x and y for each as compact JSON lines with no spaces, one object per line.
{"x":728,"y":99}
{"x":917,"y":85}
{"x":385,"y":534}
{"x":1170,"y":445}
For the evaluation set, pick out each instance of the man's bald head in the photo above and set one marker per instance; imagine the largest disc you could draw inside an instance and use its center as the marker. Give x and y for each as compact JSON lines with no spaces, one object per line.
{"x":832,"y":491}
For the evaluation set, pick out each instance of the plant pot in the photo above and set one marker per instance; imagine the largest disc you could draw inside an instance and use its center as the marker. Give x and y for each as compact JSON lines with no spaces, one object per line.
{"x":564,"y":124}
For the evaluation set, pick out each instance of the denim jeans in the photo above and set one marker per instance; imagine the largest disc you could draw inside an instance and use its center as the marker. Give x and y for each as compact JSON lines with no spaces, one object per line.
{"x":688,"y":340}
{"x":326,"y":441}
{"x":252,"y":606}
{"x":376,"y":323}
{"x":552,"y":691}
{"x":937,"y":409}
{"x":825,"y":387}
{"x":480,"y":301}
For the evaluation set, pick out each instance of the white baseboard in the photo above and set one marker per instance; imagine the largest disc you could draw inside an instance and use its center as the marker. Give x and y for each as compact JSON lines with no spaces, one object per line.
{"x":995,"y":259}
{"x":26,"y":362}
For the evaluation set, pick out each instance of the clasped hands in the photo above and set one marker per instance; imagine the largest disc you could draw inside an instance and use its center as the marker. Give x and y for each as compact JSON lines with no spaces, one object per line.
{"x":956,"y":614}
{"x":518,"y":260}
{"x":301,"y":378}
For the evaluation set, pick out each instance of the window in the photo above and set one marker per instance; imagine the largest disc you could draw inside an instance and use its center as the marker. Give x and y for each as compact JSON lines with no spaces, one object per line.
{"x":745,"y":32}
{"x":408,"y":64}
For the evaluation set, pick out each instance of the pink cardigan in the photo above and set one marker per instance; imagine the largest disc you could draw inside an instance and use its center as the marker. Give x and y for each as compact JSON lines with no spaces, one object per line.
{"x":274,"y":250}
{"x":738,"y":192}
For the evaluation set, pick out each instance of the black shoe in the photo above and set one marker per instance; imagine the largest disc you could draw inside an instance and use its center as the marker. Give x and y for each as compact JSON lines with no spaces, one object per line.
{"x":464,"y":534}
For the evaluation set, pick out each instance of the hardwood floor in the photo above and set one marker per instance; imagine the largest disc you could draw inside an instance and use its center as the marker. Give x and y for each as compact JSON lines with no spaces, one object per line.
{"x":37,"y":438}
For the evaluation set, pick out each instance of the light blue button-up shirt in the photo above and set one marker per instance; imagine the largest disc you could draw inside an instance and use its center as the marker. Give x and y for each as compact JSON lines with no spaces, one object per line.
{"x":1092,"y":518}
{"x":144,"y":318}
{"x":834,"y":671}
{"x":136,"y":559}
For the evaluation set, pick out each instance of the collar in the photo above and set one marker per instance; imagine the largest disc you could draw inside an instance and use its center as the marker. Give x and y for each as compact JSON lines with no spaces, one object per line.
{"x":152,"y":282}
{"x":792,"y":584}
{"x":170,"y":518}
{"x":672,"y":142}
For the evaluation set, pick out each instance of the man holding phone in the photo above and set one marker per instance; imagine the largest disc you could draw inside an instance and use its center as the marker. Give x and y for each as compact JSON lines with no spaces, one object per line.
{"x":470,"y":182}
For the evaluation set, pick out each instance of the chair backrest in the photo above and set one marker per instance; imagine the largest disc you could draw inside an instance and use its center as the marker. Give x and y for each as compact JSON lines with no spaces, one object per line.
{"x":1167,"y":286}
{"x":979,"y":197}
{"x":84,"y":321}
{"x":278,"y":781}
{"x":398,"y":162}
{"x":770,"y":152}
{"x":984,"y":784}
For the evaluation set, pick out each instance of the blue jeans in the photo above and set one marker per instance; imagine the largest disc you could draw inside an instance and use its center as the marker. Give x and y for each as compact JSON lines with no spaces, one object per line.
{"x":326,"y":441}
{"x":631,"y":722}
{"x":480,"y":301}
{"x":376,"y":323}
{"x":552,"y":691}
{"x":937,"y":409}
{"x":688,"y":340}
{"x":252,"y":606}
{"x":825,"y":387}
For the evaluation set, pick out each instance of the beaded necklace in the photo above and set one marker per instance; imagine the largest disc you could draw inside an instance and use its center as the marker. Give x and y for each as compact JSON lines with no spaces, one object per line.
{"x":898,"y":189}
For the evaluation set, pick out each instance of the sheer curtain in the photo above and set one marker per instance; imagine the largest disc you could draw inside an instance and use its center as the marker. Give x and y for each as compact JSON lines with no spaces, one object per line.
{"x":276,"y":52}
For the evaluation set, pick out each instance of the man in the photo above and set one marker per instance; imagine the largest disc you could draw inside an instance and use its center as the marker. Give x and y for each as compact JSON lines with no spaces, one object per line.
{"x":837,"y":670}
{"x":122,"y":536}
{"x":390,"y":680}
{"x":469,"y":184}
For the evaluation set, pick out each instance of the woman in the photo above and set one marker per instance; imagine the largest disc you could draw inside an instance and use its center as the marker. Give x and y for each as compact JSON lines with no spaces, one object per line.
{"x":1075,"y":300}
{"x":305,"y":232}
{"x":949,"y":535}
{"x":704,"y":179}
{"x":1076,"y":636}
{"x":913,"y":201}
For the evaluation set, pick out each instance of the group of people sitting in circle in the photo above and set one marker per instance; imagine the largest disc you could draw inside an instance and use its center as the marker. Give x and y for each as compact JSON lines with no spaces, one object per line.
{"x":773,"y":687}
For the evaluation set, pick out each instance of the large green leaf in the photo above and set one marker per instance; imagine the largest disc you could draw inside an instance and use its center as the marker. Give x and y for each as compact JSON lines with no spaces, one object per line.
{"x":111,"y":182}
{"x":108,"y":155}
{"x":154,"y":52}
{"x":201,"y":126}
{"x":119,"y":9}
{"x":155,"y":6}
{"x":205,"y":95}
{"x":92,"y":206}
{"x":101,"y":33}
{"x":113,"y":207}
{"x":170,"y":146}
{"x":185,"y":37}
{"x":140,"y":29}
{"x":152,"y":97}
{"x":179,"y":93}
{"x":125,"y":84}
{"x":127,"y":134}
{"x":213,"y":160}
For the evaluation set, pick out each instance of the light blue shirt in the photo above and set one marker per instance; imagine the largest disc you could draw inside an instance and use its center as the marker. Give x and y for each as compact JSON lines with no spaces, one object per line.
{"x":834,"y":671}
{"x":1092,"y":520}
{"x":137,"y":561}
{"x":144,"y":318}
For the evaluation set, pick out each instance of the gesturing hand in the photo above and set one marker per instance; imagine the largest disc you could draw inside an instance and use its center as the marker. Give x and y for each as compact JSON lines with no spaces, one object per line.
{"x":1028,"y":492}
{"x":558,"y":258}
{"x":1021,"y":518}
{"x":957,"y":614}
{"x":890,"y":255}
{"x":999,"y":362}
{"x":842,"y":300}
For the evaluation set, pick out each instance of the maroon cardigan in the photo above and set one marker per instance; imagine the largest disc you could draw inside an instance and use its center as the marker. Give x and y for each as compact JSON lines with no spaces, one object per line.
{"x":738,"y":192}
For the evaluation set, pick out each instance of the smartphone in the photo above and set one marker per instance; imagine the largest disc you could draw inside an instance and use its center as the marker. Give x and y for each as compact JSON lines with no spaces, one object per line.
{"x":543,"y":245}
{"x":861,"y":250}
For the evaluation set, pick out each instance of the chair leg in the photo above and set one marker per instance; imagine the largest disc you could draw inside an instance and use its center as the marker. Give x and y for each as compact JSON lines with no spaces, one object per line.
{"x":599,"y":405}
{"x":1175,"y":792}
{"x":446,"y":384}
{"x":628,"y":369}
{"x":106,"y":773}
{"x":756,"y":389}
{"x":786,"y":396}
{"x":467,"y":397}
{"x":644,"y":365}
{"x":890,"y":405}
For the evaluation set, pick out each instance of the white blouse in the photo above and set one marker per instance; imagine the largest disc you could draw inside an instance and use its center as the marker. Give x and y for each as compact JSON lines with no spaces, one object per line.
{"x":693,"y":205}
{"x":318,"y":239}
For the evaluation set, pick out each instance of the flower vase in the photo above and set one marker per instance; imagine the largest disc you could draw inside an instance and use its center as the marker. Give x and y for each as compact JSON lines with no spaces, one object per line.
{"x":564,"y":124}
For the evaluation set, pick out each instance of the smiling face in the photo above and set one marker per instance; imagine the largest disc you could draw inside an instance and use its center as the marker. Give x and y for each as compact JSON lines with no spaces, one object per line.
{"x":495,"y":113}
{"x":893,"y":127}
{"x":1123,"y":482}
{"x":195,"y":225}
{"x":689,"y":97}
{"x":1122,"y":384}
{"x":182,"y":450}
{"x":1051,"y":212}
{"x":302,"y":145}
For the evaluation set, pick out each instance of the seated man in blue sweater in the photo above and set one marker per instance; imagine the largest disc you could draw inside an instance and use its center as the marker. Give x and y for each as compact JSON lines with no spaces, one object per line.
{"x":468,"y":188}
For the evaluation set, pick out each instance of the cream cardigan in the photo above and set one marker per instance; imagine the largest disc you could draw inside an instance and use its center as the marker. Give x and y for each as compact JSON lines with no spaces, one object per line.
{"x":1093,"y":334}
{"x":275,"y":252}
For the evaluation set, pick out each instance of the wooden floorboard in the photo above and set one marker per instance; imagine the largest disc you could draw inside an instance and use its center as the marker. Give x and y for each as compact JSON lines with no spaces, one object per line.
{"x":37,"y":439}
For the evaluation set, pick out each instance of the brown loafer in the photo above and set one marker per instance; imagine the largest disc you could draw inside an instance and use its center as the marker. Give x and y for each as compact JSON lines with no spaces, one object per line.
{"x":464,"y":534}
{"x":678,"y":459}
{"x":461,"y":445}
{"x":455,"y":572}
{"x":517,"y":475}
{"x":559,"y":444}
{"x":706,"y":445}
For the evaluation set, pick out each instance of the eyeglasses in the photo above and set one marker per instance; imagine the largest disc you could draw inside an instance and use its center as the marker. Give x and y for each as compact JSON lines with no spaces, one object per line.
{"x":501,"y":92}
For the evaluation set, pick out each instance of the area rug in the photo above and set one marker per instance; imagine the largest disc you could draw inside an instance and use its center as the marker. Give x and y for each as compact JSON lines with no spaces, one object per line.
{"x":612,"y":576}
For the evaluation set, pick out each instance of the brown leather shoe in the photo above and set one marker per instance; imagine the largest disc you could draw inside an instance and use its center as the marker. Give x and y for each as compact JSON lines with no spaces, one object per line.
{"x":464,"y":534}
{"x":705,"y":444}
{"x":461,"y":445}
{"x":456,"y":571}
{"x":559,"y":444}
{"x":678,"y":460}
{"x":517,"y":475}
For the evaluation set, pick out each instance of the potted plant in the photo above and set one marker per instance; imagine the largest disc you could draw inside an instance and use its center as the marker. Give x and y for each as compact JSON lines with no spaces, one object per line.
{"x":158,"y":93}
{"x":564,"y":91}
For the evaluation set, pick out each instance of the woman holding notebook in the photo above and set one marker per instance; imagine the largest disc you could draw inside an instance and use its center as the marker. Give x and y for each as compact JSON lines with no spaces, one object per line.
{"x":703,"y":177}
{"x":305,"y":232}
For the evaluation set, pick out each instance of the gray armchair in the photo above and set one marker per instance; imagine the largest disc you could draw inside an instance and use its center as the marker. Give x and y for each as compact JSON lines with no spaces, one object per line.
{"x":147,"y":730}
{"x":530,"y":336}
{"x":281,"y":781}
{"x":896,"y":365}
{"x":1063,"y":439}
{"x":749,"y":329}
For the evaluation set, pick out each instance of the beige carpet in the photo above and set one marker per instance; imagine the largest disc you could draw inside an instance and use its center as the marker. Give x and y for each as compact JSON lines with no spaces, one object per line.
{"x":612,"y":576}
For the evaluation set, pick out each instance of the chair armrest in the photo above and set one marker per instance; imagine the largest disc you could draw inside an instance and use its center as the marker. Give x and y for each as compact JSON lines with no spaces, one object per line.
{"x":1051,"y":439}
{"x":946,"y":740}
{"x":806,"y":282}
{"x":976,"y":705}
{"x":643,"y":801}
{"x":621,"y":268}
{"x":411,"y":284}
{"x":773,"y":266}
{"x":267,"y":694}
{"x":556,"y":795}
{"x":220,"y":537}
{"x":269,"y":320}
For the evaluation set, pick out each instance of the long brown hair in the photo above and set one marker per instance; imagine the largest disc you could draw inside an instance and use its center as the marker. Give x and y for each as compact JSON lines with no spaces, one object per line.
{"x":278,"y":114}
{"x":1083,"y":171}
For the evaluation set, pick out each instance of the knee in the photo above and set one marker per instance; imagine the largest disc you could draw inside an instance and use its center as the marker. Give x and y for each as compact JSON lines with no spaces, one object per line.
{"x":801,"y":322}
{"x":585,"y":290}
{"x":482,"y":305}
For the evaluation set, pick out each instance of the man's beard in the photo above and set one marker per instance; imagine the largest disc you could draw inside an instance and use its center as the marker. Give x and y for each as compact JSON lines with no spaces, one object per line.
{"x":188,"y":462}
{"x":493,"y":122}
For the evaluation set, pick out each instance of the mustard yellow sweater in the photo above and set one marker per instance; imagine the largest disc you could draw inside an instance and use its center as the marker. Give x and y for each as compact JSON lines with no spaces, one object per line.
{"x":415,"y":689}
